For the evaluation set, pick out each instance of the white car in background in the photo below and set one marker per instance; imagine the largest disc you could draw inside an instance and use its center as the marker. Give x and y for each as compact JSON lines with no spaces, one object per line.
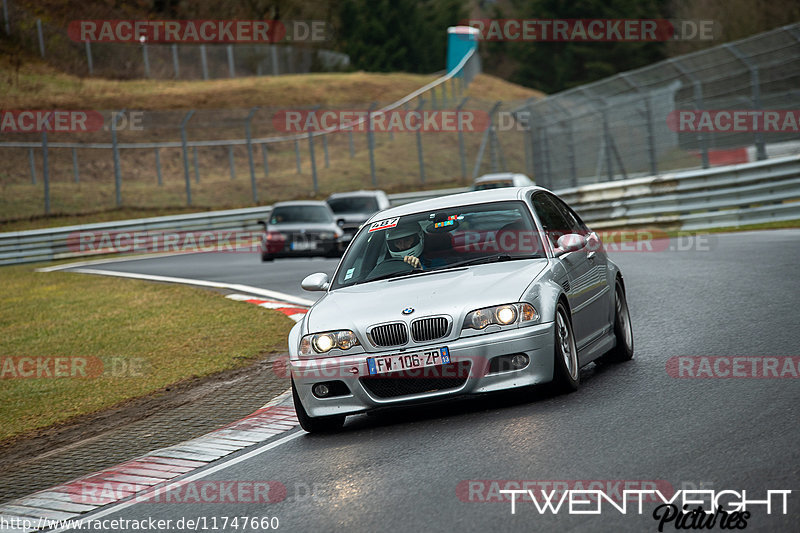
{"x":501,"y":179}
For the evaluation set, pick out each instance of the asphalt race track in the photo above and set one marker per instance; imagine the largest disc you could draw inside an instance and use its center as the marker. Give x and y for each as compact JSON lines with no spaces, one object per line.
{"x":724,"y":295}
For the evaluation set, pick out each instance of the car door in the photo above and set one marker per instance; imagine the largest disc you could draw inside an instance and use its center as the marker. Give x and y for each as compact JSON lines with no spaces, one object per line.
{"x":594,"y":282}
{"x":577,"y":264}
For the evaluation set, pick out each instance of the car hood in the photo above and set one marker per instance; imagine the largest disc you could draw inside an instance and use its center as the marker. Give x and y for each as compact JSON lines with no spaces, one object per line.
{"x":453,"y":293}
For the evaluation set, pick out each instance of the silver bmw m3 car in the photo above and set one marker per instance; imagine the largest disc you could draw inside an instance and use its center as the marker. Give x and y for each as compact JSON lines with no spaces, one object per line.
{"x":459,"y":295}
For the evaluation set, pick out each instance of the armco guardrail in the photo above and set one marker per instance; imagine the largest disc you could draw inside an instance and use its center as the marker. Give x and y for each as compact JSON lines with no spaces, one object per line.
{"x":750,"y":193}
{"x":52,"y":244}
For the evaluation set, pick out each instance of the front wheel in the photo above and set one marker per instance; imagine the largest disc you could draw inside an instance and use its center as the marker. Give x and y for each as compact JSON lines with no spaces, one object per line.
{"x":320,"y":424}
{"x":566,"y":372}
{"x":623,"y":351}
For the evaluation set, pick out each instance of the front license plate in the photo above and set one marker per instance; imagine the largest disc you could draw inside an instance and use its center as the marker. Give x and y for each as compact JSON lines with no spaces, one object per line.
{"x":302,"y":246}
{"x":408,"y":361}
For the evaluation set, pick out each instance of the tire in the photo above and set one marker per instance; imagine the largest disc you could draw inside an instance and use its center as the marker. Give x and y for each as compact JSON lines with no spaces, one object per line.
{"x":623,"y":350}
{"x":266,"y":258}
{"x":321,"y":424}
{"x":566,"y":369}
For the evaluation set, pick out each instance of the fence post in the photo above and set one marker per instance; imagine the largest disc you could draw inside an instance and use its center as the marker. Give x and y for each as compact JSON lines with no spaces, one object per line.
{"x":176,"y":67}
{"x":32,"y":162}
{"x":89,"y":58}
{"x":115,"y":149}
{"x":5,"y":18}
{"x":297,"y":155}
{"x":204,"y":61}
{"x":371,"y":144}
{"x":40,"y":35}
{"x":158,"y":168}
{"x":249,"y":133}
{"x":231,"y":163}
{"x":351,"y":142}
{"x":45,"y":172}
{"x":462,"y":154}
{"x":196,"y":165}
{"x":231,"y":67}
{"x":481,"y":149}
{"x":419,"y":147}
{"x":607,"y":145}
{"x":325,"y":149}
{"x":264,"y":157}
{"x":75,"y":170}
{"x":548,"y":169}
{"x":146,"y":59}
{"x":755,"y":84}
{"x":651,"y":136}
{"x":648,"y":114}
{"x":313,"y":160}
{"x":493,"y":137}
{"x":186,"y":157}
{"x":698,"y":105}
{"x":273,"y":55}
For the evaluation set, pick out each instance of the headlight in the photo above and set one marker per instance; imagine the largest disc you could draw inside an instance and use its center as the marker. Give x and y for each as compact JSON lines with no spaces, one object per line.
{"x":327,"y":236}
{"x":502,"y":315}
{"x":325,"y":342}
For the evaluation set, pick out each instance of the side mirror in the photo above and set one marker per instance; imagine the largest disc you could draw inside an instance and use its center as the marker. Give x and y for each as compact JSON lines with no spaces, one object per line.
{"x":316,"y":282}
{"x":569,"y":243}
{"x":263,"y":224}
{"x":340,"y":222}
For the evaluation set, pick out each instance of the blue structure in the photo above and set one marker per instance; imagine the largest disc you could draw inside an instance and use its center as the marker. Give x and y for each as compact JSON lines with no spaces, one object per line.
{"x":460,"y":41}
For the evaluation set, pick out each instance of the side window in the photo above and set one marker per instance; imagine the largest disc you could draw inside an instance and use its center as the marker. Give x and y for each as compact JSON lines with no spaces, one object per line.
{"x":553,"y":221}
{"x":573,"y":223}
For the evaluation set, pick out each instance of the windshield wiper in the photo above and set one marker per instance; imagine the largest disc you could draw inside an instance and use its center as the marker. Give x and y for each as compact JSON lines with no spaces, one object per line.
{"x":496,"y":258}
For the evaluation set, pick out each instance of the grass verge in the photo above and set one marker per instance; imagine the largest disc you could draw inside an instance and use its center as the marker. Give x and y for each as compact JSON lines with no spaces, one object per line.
{"x":132,"y":338}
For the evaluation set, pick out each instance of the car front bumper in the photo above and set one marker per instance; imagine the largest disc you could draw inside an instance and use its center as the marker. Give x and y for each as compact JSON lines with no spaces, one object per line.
{"x":537,"y":342}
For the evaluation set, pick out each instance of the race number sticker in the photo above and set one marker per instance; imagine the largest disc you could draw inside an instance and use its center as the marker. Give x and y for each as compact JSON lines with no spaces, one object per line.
{"x":383,"y":224}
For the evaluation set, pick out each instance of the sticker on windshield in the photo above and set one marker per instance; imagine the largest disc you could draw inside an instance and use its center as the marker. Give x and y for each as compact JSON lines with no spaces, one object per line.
{"x":383,"y":224}
{"x":349,"y":273}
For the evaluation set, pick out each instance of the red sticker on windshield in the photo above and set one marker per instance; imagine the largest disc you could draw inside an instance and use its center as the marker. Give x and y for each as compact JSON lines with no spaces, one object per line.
{"x":383,"y":224}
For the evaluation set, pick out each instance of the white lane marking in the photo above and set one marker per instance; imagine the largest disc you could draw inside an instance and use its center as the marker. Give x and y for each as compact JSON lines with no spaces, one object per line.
{"x":143,"y":495}
{"x":202,"y":283}
{"x":109,"y":260}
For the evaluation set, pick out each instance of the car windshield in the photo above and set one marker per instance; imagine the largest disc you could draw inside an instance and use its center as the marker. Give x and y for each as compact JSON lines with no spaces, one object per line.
{"x":300,"y":213}
{"x":353,"y":204}
{"x":440,"y":239}
{"x":497,"y":184}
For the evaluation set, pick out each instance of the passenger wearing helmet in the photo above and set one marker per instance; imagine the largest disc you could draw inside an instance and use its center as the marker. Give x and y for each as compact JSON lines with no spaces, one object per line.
{"x":406,"y":241}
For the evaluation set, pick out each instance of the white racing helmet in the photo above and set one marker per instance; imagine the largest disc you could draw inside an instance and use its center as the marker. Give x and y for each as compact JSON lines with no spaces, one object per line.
{"x":400,"y":242}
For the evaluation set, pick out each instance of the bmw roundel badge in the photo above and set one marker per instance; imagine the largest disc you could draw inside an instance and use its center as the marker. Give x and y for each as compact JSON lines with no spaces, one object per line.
{"x":408,"y":310}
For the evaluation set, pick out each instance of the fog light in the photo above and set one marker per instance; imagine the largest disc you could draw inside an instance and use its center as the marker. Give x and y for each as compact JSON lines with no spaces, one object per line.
{"x":519,"y":361}
{"x":320,"y":390}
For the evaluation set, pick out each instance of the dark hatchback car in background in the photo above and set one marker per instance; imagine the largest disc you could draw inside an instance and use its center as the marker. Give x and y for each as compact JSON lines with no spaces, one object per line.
{"x":302,"y":229}
{"x":356,"y":207}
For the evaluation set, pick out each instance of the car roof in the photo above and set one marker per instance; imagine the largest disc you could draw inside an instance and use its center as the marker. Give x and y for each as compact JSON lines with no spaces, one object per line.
{"x":295,"y":203}
{"x":456,"y":200}
{"x":355,"y":193}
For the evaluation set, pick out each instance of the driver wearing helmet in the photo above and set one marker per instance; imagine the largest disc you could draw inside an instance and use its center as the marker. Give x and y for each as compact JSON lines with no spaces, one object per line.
{"x":406,"y":241}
